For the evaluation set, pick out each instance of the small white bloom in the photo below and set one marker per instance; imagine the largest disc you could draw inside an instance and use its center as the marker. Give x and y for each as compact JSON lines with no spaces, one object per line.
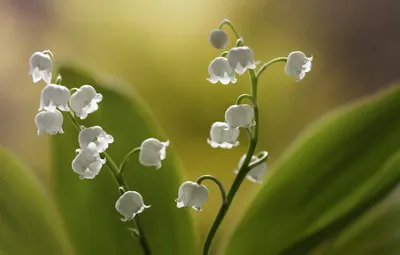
{"x":88,"y":162}
{"x":49,"y":122}
{"x":222,"y":136}
{"x":41,"y":67}
{"x":84,"y":101}
{"x":218,"y":39}
{"x":256,"y":174}
{"x":53,"y":96}
{"x":95,"y":135}
{"x":240,"y":116}
{"x":241,"y":58}
{"x":297,"y":65}
{"x":192,"y":195}
{"x":220,"y":70}
{"x":152,"y":151}
{"x":130,"y":204}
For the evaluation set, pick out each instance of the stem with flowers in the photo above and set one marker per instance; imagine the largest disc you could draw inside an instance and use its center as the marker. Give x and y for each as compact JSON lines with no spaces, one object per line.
{"x":247,"y":165}
{"x":117,"y":173}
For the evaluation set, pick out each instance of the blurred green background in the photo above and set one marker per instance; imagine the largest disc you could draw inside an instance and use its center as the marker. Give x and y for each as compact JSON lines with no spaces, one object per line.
{"x":160,"y":48}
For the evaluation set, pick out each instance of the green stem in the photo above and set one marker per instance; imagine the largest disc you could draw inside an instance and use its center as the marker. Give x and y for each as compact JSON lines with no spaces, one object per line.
{"x":264,"y":66}
{"x":54,"y":70}
{"x":242,"y":171}
{"x":219,"y":184}
{"x":227,"y":22}
{"x":121,"y":183}
{"x":260,"y":159}
{"x":244,"y":96}
{"x":126,"y":160}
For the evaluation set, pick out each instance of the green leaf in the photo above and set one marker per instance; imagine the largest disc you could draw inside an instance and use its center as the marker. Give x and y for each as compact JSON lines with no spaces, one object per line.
{"x":377,"y":232}
{"x":29,"y":221}
{"x":333,"y":172}
{"x":89,"y":205}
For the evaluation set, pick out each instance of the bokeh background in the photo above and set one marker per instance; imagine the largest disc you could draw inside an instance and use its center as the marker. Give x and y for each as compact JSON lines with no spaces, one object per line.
{"x":160,"y":48}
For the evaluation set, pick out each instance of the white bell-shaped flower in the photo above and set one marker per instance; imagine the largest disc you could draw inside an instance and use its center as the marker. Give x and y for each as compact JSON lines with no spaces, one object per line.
{"x":129,"y":204}
{"x":297,"y":65}
{"x":222,"y":136}
{"x":88,"y":162}
{"x":53,"y":96}
{"x":257,"y":173}
{"x":220,"y":70}
{"x":192,"y":195}
{"x":95,"y":135}
{"x":240,"y":116}
{"x":218,"y":39}
{"x":84,"y":101}
{"x":241,"y":58}
{"x":152,"y":151}
{"x":49,"y":122}
{"x":41,"y":67}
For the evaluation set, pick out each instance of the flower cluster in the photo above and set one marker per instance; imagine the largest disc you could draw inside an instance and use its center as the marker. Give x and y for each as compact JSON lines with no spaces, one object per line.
{"x":93,"y":141}
{"x":238,"y":59}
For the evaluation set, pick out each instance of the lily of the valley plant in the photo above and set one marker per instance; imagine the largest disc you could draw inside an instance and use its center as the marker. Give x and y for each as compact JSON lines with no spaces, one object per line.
{"x":57,"y":102}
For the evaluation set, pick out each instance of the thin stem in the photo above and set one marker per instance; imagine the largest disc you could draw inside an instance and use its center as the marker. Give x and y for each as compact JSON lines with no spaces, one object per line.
{"x":219,"y":184}
{"x":224,"y":54}
{"x":244,"y":96}
{"x":227,"y":22}
{"x":126,"y":160}
{"x":261,"y":158}
{"x":54,"y":70}
{"x":264,"y":66}
{"x":241,"y":173}
{"x":122,"y":187}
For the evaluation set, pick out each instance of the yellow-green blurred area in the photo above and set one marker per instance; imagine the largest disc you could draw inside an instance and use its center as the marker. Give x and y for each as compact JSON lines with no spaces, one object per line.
{"x":160,"y":48}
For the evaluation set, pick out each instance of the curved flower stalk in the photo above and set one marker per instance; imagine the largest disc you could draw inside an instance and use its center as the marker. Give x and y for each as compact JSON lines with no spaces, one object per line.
{"x":240,"y":60}
{"x":93,"y":141}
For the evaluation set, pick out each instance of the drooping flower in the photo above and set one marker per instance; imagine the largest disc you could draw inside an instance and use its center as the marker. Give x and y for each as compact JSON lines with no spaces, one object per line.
{"x":220,"y":70}
{"x":241,"y":58}
{"x":129,"y":204}
{"x":152,"y":151}
{"x":240,"y":116}
{"x":218,"y":39}
{"x":84,"y":101}
{"x":297,"y":65}
{"x":222,"y":136}
{"x":88,"y":162}
{"x":95,"y":135}
{"x":192,"y":195}
{"x":255,"y":174}
{"x":53,"y":96}
{"x":49,"y":122}
{"x":41,"y":67}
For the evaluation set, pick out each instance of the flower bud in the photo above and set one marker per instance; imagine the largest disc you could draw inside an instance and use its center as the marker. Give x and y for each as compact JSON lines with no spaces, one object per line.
{"x":240,"y":116}
{"x":152,"y":151}
{"x":256,"y":173}
{"x":220,"y":70}
{"x":49,"y":122}
{"x":129,"y":204}
{"x":241,"y":58}
{"x":53,"y":96}
{"x":41,"y":67}
{"x":223,"y":137}
{"x":192,"y":195}
{"x":84,"y":101}
{"x":218,"y":39}
{"x":298,"y":65}
{"x":95,"y":135}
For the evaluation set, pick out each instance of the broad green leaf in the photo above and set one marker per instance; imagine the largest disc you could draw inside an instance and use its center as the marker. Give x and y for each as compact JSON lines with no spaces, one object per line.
{"x":377,"y":232}
{"x":334,"y":169}
{"x":29,"y":221}
{"x":88,"y":206}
